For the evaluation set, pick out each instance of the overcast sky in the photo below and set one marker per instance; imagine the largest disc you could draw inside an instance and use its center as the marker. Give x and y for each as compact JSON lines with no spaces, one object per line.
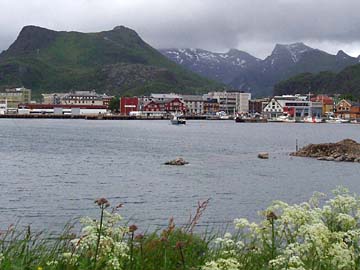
{"x":218,"y":25}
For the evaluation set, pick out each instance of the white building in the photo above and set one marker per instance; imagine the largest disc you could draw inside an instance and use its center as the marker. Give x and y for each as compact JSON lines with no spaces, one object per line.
{"x":294,"y":106}
{"x":3,"y":107}
{"x":83,"y":98}
{"x":231,"y":102}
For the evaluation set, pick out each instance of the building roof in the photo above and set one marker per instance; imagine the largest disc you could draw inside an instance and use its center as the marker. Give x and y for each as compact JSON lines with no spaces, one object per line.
{"x":165,"y":96}
{"x":193,"y":97}
{"x":64,"y":106}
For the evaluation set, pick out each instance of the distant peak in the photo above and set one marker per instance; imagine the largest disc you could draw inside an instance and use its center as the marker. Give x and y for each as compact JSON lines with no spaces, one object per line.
{"x":121,"y":28}
{"x":293,"y":46}
{"x":233,"y":51}
{"x":341,"y":53}
{"x":34,"y":28}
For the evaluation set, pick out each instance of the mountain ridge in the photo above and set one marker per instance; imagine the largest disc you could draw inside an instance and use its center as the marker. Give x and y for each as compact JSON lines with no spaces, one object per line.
{"x":47,"y":60}
{"x":259,"y":77}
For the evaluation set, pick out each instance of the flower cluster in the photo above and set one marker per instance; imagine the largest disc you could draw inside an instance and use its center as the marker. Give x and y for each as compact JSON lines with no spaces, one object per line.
{"x":296,"y":237}
{"x":112,"y":247}
{"x":102,"y":243}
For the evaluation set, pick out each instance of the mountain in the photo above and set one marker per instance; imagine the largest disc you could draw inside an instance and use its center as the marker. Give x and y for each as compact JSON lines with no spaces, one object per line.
{"x":346,"y":82}
{"x":116,"y":61}
{"x":260,"y":76}
{"x":222,"y":67}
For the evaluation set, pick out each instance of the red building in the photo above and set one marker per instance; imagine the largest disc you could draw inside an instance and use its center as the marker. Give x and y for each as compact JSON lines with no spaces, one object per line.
{"x":152,"y":106}
{"x":128,"y":104}
{"x":175,"y":105}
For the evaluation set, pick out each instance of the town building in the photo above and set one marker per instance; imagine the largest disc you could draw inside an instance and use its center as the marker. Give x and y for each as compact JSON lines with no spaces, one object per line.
{"x":77,"y":97}
{"x":15,"y":96}
{"x":72,"y":109}
{"x":256,"y":106}
{"x":294,"y":106}
{"x":164,"y":103}
{"x":85,"y":98}
{"x":355,"y":111}
{"x":211,"y":106}
{"x":3,"y":107}
{"x":327,"y":103}
{"x":128,"y":104}
{"x":163,"y":97}
{"x":194,"y":104}
{"x":231,"y":102}
{"x":347,"y":110}
{"x":53,"y":98}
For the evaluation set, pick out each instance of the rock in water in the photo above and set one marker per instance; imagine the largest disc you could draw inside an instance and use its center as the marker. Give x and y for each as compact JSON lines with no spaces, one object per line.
{"x":346,"y":150}
{"x":177,"y":162}
{"x":263,"y":155}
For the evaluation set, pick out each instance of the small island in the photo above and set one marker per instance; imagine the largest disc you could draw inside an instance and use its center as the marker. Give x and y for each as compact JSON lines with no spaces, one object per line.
{"x":346,"y":150}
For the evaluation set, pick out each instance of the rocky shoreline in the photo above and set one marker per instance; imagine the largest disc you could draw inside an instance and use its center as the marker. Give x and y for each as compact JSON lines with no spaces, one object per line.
{"x":346,"y":150}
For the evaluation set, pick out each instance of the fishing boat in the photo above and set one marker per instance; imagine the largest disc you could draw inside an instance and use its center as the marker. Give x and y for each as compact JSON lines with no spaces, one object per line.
{"x":177,"y":119}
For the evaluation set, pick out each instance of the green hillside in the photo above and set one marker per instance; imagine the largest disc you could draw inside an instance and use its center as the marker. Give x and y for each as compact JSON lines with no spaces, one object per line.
{"x":116,"y":62}
{"x":346,"y":82}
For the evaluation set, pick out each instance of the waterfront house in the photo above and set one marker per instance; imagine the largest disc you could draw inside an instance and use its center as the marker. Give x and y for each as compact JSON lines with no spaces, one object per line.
{"x":175,"y":105}
{"x":273,"y":108}
{"x":355,"y":110}
{"x":292,"y":105}
{"x":15,"y":96}
{"x":151,"y":106}
{"x":343,"y":108}
{"x":347,"y":109}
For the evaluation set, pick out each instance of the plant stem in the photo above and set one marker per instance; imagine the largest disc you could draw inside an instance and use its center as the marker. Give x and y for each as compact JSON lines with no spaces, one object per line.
{"x":99,"y":236}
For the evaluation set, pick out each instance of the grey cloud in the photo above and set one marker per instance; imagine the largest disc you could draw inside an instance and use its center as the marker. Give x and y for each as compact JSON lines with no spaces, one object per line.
{"x":251,"y":25}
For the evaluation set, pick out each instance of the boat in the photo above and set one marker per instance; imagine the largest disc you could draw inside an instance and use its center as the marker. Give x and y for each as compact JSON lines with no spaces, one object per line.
{"x":282,"y":119}
{"x":336,"y":120}
{"x":312,"y":119}
{"x":240,"y":119}
{"x":223,"y":116}
{"x":177,"y":120}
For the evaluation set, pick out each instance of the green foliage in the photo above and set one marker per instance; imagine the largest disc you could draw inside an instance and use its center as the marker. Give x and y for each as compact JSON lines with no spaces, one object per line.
{"x":114,"y":104}
{"x":346,"y":82}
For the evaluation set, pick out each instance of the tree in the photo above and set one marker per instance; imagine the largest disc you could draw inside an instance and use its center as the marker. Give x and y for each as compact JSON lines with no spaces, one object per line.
{"x":114,"y":104}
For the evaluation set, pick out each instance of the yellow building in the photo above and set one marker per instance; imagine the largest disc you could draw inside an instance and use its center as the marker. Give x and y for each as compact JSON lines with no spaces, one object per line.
{"x":15,"y":96}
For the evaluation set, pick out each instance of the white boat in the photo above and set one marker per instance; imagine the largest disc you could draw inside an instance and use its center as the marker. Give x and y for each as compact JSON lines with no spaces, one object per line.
{"x":177,"y":120}
{"x":222,"y":115}
{"x":282,"y":119}
{"x":336,"y":120}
